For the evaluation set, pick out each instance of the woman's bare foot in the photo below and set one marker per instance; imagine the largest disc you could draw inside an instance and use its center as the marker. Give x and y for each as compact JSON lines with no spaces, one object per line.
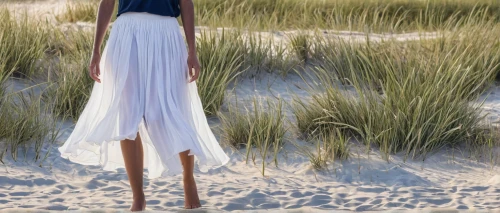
{"x":139,"y":204}
{"x":191,"y":199}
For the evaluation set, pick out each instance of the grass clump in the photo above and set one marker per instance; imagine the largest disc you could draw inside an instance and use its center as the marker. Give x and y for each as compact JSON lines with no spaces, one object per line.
{"x":369,"y":61}
{"x":358,"y":15}
{"x":80,"y":11}
{"x":403,"y":100}
{"x":330,"y":146}
{"x":484,"y":145}
{"x":71,"y":85}
{"x":301,"y":46}
{"x":84,"y":11}
{"x":256,"y":52}
{"x":27,"y":123}
{"x":263,"y":53}
{"x":23,"y":42}
{"x":261,"y":129}
{"x":221,"y":62}
{"x":4,"y":76}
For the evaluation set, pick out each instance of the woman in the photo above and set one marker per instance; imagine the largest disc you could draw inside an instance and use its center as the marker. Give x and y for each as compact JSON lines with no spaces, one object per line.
{"x":145,"y":98}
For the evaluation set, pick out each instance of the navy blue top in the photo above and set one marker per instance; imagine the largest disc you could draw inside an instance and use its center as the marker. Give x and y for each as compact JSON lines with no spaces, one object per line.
{"x":158,"y":7}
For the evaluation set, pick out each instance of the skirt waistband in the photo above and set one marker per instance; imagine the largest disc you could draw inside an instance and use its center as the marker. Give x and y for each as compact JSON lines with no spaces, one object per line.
{"x":138,"y":21}
{"x":145,"y":16}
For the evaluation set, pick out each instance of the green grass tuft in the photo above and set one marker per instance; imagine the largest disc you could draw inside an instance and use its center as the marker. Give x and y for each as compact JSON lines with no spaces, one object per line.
{"x":330,"y":146}
{"x":403,"y":98}
{"x":27,"y":123}
{"x":261,"y":128}
{"x":71,"y":85}
{"x":357,"y":15}
{"x":221,"y":62}
{"x":23,"y":43}
{"x":84,"y":11}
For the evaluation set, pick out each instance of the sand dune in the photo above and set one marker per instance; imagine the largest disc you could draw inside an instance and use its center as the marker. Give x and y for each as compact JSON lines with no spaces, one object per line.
{"x":449,"y":179}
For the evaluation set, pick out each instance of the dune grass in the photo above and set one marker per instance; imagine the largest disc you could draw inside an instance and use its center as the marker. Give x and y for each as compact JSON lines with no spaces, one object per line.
{"x":71,"y":84}
{"x":412,"y":97}
{"x":330,"y":146}
{"x":4,"y":77}
{"x":23,"y":43}
{"x":261,"y":129}
{"x":221,"y":61}
{"x":85,"y":11}
{"x":223,"y":58}
{"x":300,"y":44}
{"x":27,"y":124}
{"x":368,"y":61}
{"x":359,"y":15}
{"x":261,"y":52}
{"x":402,"y":98}
{"x":483,"y":148}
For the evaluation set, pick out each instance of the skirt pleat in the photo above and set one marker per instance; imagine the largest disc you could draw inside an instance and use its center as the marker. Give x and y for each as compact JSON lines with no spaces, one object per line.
{"x":144,"y":89}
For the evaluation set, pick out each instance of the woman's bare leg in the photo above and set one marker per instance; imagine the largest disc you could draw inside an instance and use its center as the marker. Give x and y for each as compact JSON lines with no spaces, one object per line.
{"x":191,"y":199}
{"x":133,"y":155}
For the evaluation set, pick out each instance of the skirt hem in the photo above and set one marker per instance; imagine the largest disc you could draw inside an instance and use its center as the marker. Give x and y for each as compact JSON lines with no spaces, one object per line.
{"x":203,"y":167}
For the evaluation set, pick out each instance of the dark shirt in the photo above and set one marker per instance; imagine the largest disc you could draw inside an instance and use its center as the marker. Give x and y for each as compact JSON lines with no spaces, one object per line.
{"x":158,"y":7}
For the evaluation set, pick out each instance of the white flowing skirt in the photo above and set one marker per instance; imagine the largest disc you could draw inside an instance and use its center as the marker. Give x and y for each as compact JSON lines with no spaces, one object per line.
{"x":144,"y":88}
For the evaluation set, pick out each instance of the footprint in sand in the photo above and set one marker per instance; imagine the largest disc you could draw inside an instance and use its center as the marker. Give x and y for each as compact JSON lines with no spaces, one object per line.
{"x":363,"y":208}
{"x":112,"y":188}
{"x":57,"y":200}
{"x":437,"y":201}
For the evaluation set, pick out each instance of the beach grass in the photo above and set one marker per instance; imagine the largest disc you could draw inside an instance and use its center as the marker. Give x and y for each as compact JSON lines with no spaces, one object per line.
{"x":330,"y":146}
{"x":27,"y":124}
{"x":483,"y":148}
{"x":401,"y":96}
{"x":71,"y":84}
{"x":23,"y":43}
{"x":368,"y":61}
{"x":84,"y":11}
{"x":221,"y":62}
{"x":256,"y":52}
{"x":372,"y":15}
{"x":402,"y":99}
{"x":4,"y":77}
{"x":259,"y":128}
{"x":301,"y":46}
{"x":356,"y":15}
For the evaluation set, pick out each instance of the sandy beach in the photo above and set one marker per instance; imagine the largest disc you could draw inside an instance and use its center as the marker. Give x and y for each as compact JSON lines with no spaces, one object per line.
{"x":449,"y":180}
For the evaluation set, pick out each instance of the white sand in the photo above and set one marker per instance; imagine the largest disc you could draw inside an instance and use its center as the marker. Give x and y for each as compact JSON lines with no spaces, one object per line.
{"x":39,"y":9}
{"x":446,"y":180}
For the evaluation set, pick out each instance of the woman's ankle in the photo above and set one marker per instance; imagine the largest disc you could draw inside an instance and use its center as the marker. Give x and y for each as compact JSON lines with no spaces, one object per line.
{"x":139,"y":196}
